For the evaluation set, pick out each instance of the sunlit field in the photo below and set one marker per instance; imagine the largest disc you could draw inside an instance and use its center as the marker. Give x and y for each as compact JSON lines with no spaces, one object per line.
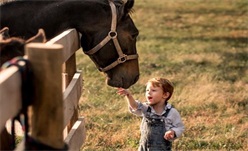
{"x":202,"y":47}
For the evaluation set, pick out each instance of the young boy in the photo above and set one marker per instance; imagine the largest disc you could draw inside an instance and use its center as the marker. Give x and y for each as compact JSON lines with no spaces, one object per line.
{"x":161,"y":122}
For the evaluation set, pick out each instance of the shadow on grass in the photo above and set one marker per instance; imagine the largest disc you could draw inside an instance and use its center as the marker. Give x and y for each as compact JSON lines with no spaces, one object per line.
{"x":230,"y":40}
{"x":233,"y":66}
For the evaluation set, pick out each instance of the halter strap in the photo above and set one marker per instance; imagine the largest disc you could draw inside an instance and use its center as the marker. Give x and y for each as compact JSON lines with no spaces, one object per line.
{"x":112,"y":35}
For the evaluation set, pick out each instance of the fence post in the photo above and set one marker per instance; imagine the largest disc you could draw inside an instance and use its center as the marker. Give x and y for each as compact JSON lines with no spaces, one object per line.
{"x":47,"y":119}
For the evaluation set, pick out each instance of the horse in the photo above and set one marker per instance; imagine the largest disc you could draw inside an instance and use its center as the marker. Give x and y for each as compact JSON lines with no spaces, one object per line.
{"x":108,"y":33}
{"x":11,"y":47}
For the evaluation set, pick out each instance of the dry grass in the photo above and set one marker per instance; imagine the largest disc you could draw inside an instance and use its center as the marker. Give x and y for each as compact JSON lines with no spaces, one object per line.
{"x":202,"y":48}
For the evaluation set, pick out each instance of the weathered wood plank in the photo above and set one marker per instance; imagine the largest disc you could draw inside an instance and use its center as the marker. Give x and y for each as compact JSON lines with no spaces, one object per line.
{"x":70,"y":40}
{"x":10,"y":94}
{"x":76,"y":136}
{"x":72,"y":95}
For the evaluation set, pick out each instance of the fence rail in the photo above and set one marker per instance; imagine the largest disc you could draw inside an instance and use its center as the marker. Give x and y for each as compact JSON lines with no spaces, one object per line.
{"x":58,"y":87}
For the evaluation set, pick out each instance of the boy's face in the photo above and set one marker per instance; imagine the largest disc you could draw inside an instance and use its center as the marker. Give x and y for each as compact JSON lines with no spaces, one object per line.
{"x":155,"y":95}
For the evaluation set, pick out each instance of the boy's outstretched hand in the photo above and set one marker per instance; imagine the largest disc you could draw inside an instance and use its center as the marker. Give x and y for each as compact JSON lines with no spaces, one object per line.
{"x":122,"y":91}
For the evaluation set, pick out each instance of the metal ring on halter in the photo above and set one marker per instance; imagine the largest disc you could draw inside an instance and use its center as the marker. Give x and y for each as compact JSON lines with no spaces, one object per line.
{"x":112,"y":34}
{"x":122,"y":59}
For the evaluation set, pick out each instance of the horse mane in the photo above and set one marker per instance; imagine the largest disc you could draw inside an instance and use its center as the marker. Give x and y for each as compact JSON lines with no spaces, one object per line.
{"x":120,"y":4}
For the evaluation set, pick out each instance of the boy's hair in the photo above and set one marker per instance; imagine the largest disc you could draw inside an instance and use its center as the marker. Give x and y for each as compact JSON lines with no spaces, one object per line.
{"x":165,"y":84}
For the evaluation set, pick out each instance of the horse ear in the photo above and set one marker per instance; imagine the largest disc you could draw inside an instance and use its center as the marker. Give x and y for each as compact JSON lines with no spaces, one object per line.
{"x":4,"y":33}
{"x":128,"y":5}
{"x":39,"y":37}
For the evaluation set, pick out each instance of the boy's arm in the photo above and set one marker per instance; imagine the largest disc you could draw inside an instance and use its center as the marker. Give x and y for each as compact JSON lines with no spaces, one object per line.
{"x":178,"y":124}
{"x":131,"y":102}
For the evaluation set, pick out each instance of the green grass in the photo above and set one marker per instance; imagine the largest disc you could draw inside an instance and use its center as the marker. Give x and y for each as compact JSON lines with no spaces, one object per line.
{"x":202,"y":47}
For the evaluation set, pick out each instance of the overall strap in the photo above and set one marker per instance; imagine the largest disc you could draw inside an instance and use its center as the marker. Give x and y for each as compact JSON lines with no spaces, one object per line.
{"x":149,"y":109}
{"x":167,"y":111}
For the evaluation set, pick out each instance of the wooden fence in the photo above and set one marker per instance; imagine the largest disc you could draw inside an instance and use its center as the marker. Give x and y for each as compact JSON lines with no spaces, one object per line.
{"x":58,"y":87}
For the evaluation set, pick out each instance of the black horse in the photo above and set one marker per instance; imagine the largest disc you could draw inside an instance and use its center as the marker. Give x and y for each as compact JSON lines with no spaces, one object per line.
{"x":108,"y":32}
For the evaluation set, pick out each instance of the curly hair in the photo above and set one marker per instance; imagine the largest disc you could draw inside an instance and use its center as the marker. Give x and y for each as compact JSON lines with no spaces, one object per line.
{"x":165,"y":84}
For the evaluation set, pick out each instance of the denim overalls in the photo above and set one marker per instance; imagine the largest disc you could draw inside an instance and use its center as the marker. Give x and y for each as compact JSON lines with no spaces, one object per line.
{"x":152,"y":133}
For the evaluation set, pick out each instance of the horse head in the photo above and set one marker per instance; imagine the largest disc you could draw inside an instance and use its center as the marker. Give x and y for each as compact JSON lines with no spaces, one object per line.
{"x":11,"y":47}
{"x":113,"y":45}
{"x":108,"y":32}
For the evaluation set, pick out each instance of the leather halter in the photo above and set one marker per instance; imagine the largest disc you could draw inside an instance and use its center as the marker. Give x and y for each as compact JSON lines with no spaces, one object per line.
{"x":112,"y":35}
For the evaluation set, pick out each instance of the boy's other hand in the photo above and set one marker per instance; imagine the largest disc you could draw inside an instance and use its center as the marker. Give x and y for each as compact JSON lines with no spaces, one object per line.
{"x":169,"y":135}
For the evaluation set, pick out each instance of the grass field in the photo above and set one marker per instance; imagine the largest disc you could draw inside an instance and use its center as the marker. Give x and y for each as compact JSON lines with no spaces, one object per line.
{"x":202,"y":47}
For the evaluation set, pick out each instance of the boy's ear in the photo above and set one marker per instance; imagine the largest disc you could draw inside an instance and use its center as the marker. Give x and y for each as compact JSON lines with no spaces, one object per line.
{"x":166,"y":95}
